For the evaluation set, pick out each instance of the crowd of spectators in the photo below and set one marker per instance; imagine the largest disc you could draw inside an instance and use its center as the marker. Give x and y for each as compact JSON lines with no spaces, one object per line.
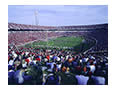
{"x":22,"y":37}
{"x":30,"y":66}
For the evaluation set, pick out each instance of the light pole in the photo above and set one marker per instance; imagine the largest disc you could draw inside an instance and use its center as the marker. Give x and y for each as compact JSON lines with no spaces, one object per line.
{"x":36,"y":18}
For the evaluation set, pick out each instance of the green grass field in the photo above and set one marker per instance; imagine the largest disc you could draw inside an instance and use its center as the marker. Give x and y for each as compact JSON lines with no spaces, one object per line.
{"x":64,"y":42}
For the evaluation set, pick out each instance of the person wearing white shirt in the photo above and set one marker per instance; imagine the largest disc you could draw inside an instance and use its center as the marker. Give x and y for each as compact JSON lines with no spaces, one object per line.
{"x":82,"y":80}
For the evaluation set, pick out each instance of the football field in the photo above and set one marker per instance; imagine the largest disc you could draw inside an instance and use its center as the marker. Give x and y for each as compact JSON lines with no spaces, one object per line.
{"x":75,"y":43}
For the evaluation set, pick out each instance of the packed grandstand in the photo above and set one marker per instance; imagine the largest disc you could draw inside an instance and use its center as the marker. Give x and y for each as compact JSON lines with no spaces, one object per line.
{"x":57,"y":55}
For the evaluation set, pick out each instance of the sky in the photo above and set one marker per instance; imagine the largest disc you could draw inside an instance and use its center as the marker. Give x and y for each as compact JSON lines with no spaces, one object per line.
{"x":58,"y":15}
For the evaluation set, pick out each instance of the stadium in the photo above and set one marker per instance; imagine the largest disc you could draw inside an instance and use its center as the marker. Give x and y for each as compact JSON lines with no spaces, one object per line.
{"x":57,"y":55}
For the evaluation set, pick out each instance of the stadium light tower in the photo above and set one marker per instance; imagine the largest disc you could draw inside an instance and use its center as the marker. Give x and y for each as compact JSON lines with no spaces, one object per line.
{"x":36,"y":17}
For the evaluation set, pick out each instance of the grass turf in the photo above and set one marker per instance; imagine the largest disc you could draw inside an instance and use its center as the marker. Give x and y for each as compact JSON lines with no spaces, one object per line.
{"x":61,"y":42}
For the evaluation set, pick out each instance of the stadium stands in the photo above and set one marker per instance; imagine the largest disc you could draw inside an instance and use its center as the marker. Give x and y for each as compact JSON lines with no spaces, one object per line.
{"x":29,"y":66}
